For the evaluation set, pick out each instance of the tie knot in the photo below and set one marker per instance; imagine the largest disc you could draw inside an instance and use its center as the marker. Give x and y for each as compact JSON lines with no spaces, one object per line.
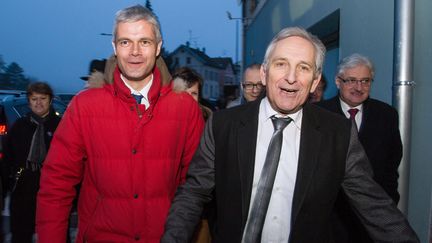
{"x":353,"y":113}
{"x":279,"y":123}
{"x":138,"y":98}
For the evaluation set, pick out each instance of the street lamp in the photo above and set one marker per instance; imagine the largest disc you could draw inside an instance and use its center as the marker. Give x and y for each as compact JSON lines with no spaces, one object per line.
{"x":230,"y":17}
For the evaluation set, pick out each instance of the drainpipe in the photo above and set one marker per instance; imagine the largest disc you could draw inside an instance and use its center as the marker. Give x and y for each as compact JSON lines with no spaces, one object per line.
{"x":403,"y":85}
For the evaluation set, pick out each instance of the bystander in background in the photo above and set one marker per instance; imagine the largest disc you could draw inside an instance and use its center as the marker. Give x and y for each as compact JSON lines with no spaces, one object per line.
{"x":378,"y":132}
{"x":251,"y":86}
{"x":318,"y":94}
{"x":25,"y":148}
{"x":188,"y":80}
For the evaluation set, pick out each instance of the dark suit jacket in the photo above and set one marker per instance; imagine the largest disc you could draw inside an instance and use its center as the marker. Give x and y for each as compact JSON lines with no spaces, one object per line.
{"x":330,"y":159}
{"x":379,"y":134}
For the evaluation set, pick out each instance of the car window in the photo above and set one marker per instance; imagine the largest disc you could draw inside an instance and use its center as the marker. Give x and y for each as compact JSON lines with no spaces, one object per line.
{"x":22,"y":109}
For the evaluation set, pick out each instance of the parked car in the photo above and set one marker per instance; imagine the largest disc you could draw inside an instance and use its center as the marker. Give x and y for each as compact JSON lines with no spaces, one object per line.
{"x":65,"y":97}
{"x":17,"y":93}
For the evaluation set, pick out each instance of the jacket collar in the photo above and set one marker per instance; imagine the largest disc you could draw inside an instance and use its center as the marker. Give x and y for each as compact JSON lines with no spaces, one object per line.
{"x":247,"y":131}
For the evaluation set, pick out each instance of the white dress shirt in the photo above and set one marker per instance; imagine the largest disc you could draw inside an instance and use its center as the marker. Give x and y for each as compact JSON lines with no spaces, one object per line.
{"x":277,"y":224}
{"x":144,"y":91}
{"x":358,"y":118}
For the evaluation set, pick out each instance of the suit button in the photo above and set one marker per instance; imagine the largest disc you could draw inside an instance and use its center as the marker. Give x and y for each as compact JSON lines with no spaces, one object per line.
{"x":135,"y":196}
{"x":134,"y":151}
{"x":137,"y":237}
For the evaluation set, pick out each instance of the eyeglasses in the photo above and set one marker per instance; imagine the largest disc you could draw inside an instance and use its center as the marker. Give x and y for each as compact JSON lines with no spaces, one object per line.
{"x":353,"y":81}
{"x":250,"y":86}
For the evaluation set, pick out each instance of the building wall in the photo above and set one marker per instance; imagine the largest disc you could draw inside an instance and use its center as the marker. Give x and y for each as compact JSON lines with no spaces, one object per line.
{"x":183,"y":58}
{"x":366,"y":27}
{"x":277,"y":14}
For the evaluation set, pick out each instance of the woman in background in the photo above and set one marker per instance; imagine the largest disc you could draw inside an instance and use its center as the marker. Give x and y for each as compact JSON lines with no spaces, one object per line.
{"x":25,"y":150}
{"x":188,"y":80}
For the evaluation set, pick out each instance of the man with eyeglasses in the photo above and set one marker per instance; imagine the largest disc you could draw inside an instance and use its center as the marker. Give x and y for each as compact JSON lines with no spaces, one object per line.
{"x":251,"y":86}
{"x":378,"y":127}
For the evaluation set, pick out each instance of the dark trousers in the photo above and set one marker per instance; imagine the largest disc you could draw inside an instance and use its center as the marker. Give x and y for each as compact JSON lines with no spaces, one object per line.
{"x":22,"y":237}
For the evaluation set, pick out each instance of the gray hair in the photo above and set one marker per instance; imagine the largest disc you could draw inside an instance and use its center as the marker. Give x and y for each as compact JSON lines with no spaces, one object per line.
{"x":299,"y":32}
{"x":353,"y":61}
{"x":134,"y":14}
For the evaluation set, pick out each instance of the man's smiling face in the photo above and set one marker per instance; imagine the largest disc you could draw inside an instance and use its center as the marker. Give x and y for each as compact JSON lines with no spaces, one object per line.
{"x":289,"y":75}
{"x":136,"y":49}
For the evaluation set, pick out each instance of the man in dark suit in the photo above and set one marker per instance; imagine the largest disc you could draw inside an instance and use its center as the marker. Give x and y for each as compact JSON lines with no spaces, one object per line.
{"x":379,"y":134}
{"x":320,"y":156}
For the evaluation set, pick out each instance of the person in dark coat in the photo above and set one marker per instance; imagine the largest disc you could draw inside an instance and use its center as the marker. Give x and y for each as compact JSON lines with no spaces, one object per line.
{"x":378,"y":127}
{"x":378,"y":131}
{"x":251,"y":86}
{"x":25,"y":149}
{"x":263,"y":197}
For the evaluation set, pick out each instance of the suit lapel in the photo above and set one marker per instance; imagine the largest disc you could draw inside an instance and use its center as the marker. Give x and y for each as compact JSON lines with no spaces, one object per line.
{"x":246,"y":144}
{"x":310,"y":142}
{"x":337,"y":105}
{"x":365,"y":117}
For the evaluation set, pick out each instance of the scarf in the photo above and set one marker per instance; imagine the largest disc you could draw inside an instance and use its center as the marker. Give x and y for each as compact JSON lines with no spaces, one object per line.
{"x":37,"y":151}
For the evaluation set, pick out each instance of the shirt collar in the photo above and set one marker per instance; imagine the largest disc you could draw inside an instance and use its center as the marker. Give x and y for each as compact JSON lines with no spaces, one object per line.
{"x":345,"y":107}
{"x":144,"y":91}
{"x":268,"y":112}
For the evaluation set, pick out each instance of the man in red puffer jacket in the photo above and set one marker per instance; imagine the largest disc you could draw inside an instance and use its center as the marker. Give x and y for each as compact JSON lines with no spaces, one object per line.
{"x":129,"y":153}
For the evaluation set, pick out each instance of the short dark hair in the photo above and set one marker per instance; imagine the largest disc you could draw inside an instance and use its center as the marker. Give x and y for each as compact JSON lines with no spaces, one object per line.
{"x":41,"y":88}
{"x":189,"y":76}
{"x":184,"y":78}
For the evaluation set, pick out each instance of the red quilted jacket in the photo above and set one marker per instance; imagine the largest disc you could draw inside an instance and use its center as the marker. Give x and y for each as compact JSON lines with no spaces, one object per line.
{"x":130,"y":161}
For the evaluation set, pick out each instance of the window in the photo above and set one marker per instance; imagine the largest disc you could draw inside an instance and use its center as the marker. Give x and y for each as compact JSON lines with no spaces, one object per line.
{"x":188,"y":60}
